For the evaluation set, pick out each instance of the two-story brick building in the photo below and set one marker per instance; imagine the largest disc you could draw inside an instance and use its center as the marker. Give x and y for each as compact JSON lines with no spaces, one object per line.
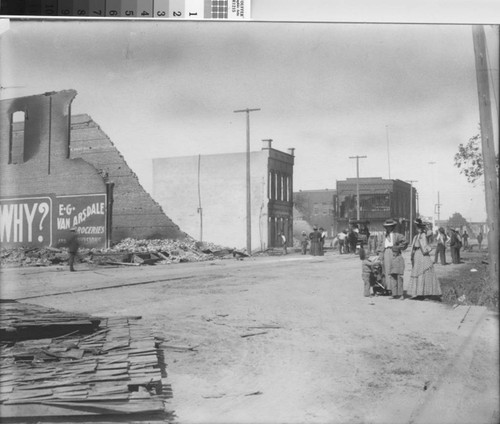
{"x":379,"y":199}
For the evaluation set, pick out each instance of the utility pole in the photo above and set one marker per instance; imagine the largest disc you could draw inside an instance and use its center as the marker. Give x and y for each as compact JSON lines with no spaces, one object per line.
{"x":433,"y":185}
{"x":388,"y":155}
{"x":357,"y":180}
{"x":200,"y":209}
{"x":249,"y":204}
{"x":438,"y":208}
{"x":411,"y":208}
{"x":488,"y":148}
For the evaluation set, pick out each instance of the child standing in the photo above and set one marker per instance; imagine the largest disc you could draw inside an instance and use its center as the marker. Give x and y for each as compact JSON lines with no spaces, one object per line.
{"x":366,"y":272}
{"x":397,"y":270}
{"x":304,"y":243}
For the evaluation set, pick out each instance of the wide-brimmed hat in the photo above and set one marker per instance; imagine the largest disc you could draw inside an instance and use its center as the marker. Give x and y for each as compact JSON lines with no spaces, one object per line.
{"x":315,"y":228}
{"x":457,"y":229}
{"x":389,"y":222}
{"x":419,"y":223}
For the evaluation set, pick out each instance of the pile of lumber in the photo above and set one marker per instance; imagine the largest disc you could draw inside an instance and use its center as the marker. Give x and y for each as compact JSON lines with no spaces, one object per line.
{"x":23,"y":322}
{"x":116,"y":372}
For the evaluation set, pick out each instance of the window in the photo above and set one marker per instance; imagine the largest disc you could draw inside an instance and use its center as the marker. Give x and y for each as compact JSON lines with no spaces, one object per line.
{"x":16,"y":147}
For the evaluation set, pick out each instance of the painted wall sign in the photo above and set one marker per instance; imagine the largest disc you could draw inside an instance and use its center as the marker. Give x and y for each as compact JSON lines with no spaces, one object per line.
{"x":26,"y":221}
{"x":47,"y":220}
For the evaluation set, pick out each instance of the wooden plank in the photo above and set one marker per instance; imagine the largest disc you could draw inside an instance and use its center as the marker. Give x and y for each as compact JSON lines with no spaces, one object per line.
{"x":27,"y":394}
{"x":113,"y":366}
{"x":68,"y":409}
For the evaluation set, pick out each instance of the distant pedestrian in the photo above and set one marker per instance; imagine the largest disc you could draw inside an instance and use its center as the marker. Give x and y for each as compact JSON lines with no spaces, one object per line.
{"x":304,"y":243}
{"x":73,"y":246}
{"x":315,"y":237}
{"x":423,"y":280}
{"x":455,"y":245}
{"x":480,"y":240}
{"x":283,"y":243}
{"x":322,"y":239}
{"x":465,"y":240}
{"x":341,"y":237}
{"x":441,"y":239}
{"x":353,"y":240}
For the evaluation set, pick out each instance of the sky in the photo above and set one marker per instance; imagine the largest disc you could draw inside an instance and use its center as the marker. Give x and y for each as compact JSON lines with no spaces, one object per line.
{"x":403,"y":95}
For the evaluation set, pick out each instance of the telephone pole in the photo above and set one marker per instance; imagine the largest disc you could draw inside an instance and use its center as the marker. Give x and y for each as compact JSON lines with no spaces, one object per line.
{"x":357,"y":180}
{"x":249,"y":209}
{"x":411,"y":207}
{"x":433,"y":185}
{"x":388,"y":154}
{"x":488,"y":148}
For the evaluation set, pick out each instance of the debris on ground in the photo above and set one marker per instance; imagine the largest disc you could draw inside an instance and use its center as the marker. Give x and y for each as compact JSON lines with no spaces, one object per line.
{"x":127,"y":252}
{"x":112,"y":371}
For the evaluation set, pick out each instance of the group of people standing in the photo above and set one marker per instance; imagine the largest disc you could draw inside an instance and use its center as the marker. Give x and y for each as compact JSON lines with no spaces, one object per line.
{"x":317,"y":240}
{"x":347,"y":240}
{"x":423,"y":281}
{"x":456,"y":241}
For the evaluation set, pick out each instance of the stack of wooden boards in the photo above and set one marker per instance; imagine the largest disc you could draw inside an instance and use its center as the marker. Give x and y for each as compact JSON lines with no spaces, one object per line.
{"x":108,"y":369}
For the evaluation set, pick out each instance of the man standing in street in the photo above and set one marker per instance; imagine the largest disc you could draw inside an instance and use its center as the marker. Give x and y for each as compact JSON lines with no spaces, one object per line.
{"x":73,"y":245}
{"x":283,"y":243}
{"x":341,"y":237}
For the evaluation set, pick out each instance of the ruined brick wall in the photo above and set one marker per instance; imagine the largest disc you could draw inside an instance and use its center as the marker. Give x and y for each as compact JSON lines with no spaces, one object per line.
{"x":41,"y":194}
{"x":34,"y":155}
{"x":135,"y":213}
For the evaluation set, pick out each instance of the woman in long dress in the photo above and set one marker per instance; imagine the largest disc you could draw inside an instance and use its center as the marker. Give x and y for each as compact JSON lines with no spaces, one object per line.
{"x":315,"y":238}
{"x":423,"y":280}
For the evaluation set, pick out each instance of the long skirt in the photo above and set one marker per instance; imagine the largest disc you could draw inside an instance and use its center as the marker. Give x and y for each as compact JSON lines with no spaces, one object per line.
{"x":423,"y":280}
{"x":315,"y":248}
{"x":386,"y":267}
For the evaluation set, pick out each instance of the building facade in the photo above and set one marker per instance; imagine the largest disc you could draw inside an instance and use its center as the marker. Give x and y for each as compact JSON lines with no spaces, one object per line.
{"x":316,"y":208}
{"x":206,"y":196}
{"x":379,"y":199}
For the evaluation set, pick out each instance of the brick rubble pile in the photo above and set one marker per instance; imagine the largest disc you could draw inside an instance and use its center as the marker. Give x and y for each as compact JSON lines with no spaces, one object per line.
{"x":128,"y":251}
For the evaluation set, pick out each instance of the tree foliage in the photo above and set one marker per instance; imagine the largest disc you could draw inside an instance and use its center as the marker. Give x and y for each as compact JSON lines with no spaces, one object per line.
{"x":469,"y":159}
{"x":457,"y":220}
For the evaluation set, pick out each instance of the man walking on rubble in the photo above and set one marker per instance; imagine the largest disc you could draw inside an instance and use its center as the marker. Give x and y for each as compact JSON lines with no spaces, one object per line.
{"x":73,"y":245}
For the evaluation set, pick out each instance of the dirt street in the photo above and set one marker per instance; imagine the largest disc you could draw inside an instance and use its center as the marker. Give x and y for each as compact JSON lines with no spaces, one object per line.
{"x":291,"y":339}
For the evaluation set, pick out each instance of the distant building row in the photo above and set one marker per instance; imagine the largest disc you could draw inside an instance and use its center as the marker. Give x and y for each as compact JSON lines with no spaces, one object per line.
{"x":379,"y":199}
{"x":59,"y":171}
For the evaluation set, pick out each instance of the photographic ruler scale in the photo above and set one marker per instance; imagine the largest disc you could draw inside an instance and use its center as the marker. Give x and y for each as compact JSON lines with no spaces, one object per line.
{"x":173,"y":9}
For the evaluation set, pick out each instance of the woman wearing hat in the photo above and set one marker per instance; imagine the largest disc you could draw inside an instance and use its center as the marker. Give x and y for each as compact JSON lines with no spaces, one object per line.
{"x":385,"y":249}
{"x":423,"y":280}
